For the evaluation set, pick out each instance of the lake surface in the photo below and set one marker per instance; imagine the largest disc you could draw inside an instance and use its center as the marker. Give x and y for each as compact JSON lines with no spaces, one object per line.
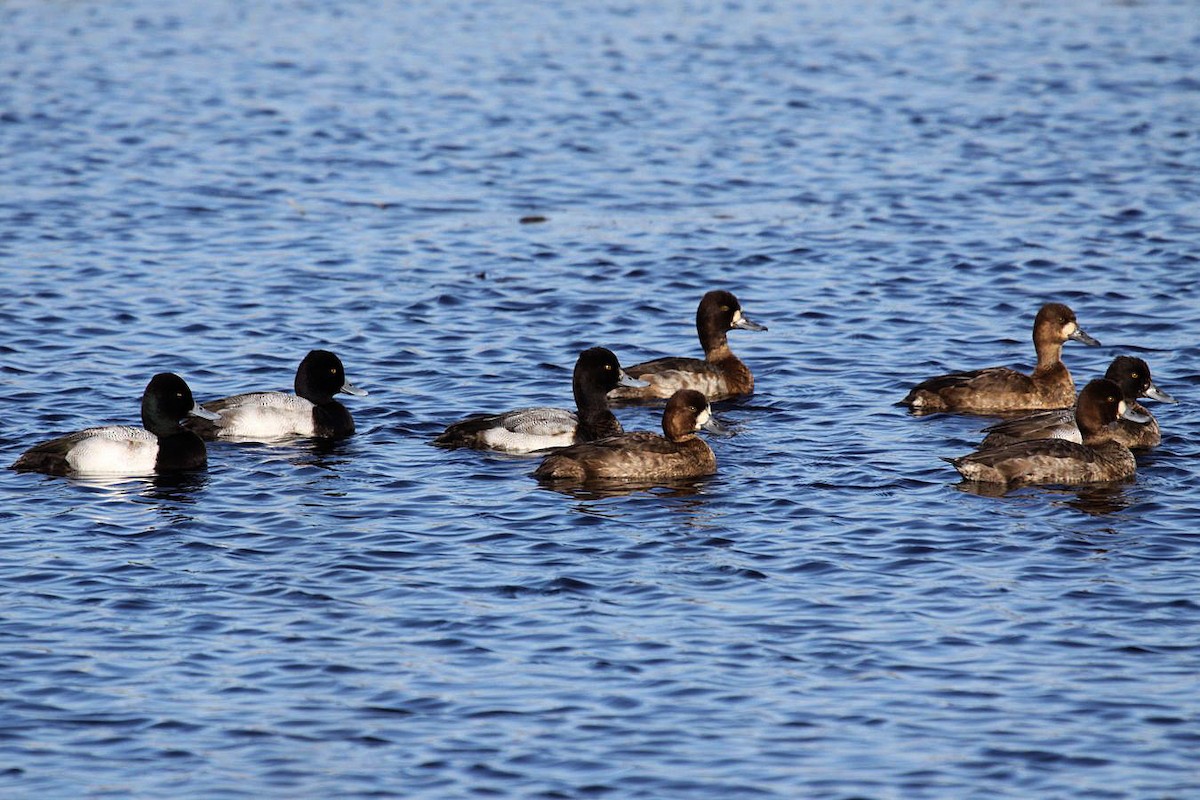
{"x":458,"y":197}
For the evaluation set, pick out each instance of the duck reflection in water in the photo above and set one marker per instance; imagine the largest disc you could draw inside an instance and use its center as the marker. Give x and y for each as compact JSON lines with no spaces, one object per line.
{"x":605,"y":489}
{"x":1095,"y":499}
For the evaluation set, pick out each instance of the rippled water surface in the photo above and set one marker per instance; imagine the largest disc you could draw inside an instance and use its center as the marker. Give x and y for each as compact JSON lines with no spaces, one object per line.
{"x":458,"y":197}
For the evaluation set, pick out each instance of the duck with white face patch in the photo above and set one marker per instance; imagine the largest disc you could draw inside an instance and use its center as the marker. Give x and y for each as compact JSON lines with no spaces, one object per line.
{"x":718,"y":376}
{"x":998,"y":389}
{"x":1130,"y":373}
{"x":1100,"y":457}
{"x":643,"y":455}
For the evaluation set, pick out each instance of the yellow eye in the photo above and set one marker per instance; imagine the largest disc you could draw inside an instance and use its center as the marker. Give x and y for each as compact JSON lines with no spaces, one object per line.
{"x":608,"y":367}
{"x":1134,"y":375}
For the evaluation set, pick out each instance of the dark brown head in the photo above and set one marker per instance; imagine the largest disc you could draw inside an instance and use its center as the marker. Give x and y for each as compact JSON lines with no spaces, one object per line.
{"x":687,"y":412}
{"x":1055,"y":323}
{"x":719,"y":311}
{"x":1099,"y":405}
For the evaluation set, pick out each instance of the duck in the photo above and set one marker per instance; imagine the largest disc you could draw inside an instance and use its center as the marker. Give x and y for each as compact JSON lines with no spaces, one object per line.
{"x":720,"y":375}
{"x":999,"y":389}
{"x":1130,"y":373}
{"x":643,"y":455}
{"x":529,"y":430}
{"x":1100,"y":457}
{"x":159,"y":446}
{"x":268,"y":416}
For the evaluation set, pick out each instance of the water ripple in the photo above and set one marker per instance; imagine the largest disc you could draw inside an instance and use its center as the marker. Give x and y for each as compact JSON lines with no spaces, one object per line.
{"x":458,"y":202}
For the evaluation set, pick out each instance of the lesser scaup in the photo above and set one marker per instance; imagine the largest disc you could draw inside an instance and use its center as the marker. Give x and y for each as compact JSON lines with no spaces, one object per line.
{"x":160,"y":445}
{"x":526,"y":430}
{"x":719,"y":375}
{"x":1004,"y":389}
{"x":311,"y":411}
{"x":1130,"y":373}
{"x":643,"y":455}
{"x":1099,"y":458}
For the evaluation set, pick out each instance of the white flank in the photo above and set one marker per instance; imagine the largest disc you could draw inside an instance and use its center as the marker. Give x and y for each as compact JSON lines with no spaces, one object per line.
{"x":528,"y":429}
{"x":114,"y":450}
{"x":267,"y":415}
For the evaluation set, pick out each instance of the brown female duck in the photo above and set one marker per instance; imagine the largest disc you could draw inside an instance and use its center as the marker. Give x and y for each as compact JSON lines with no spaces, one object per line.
{"x":997,"y":389}
{"x":643,"y":455}
{"x":1056,"y":461}
{"x":719,"y":375}
{"x":1130,"y":373}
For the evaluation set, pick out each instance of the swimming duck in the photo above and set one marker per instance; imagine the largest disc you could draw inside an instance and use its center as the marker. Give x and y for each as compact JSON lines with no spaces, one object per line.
{"x":719,"y":375}
{"x":526,"y":430}
{"x":265,"y":416}
{"x":160,"y":445}
{"x":1003,"y":389}
{"x":1130,"y":373}
{"x":1099,"y":458}
{"x":643,"y":455}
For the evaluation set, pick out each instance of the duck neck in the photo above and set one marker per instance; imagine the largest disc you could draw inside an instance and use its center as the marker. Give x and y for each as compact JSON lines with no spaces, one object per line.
{"x":715,"y":344}
{"x":735,"y":372}
{"x":595,"y":419}
{"x":1049,"y":357}
{"x":598,"y":425}
{"x":675,"y":430}
{"x":158,"y":423}
{"x":1092,"y":429}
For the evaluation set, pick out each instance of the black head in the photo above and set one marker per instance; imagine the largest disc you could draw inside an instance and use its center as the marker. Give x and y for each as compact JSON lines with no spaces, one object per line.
{"x":687,"y":411}
{"x":1131,"y":374}
{"x":1099,"y":404}
{"x":597,"y":366}
{"x":320,"y":376}
{"x":166,"y":401}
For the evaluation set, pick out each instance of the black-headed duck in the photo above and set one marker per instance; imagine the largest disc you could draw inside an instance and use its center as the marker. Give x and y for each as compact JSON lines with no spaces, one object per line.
{"x":1130,"y":373}
{"x":642,"y":455}
{"x":160,"y":445}
{"x":527,"y":430}
{"x":998,"y":389}
{"x":718,"y":376}
{"x":267,"y":416}
{"x":1056,"y":461}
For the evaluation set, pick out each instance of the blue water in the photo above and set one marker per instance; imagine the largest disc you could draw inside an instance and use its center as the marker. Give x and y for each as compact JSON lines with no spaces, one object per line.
{"x":216,"y":188}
